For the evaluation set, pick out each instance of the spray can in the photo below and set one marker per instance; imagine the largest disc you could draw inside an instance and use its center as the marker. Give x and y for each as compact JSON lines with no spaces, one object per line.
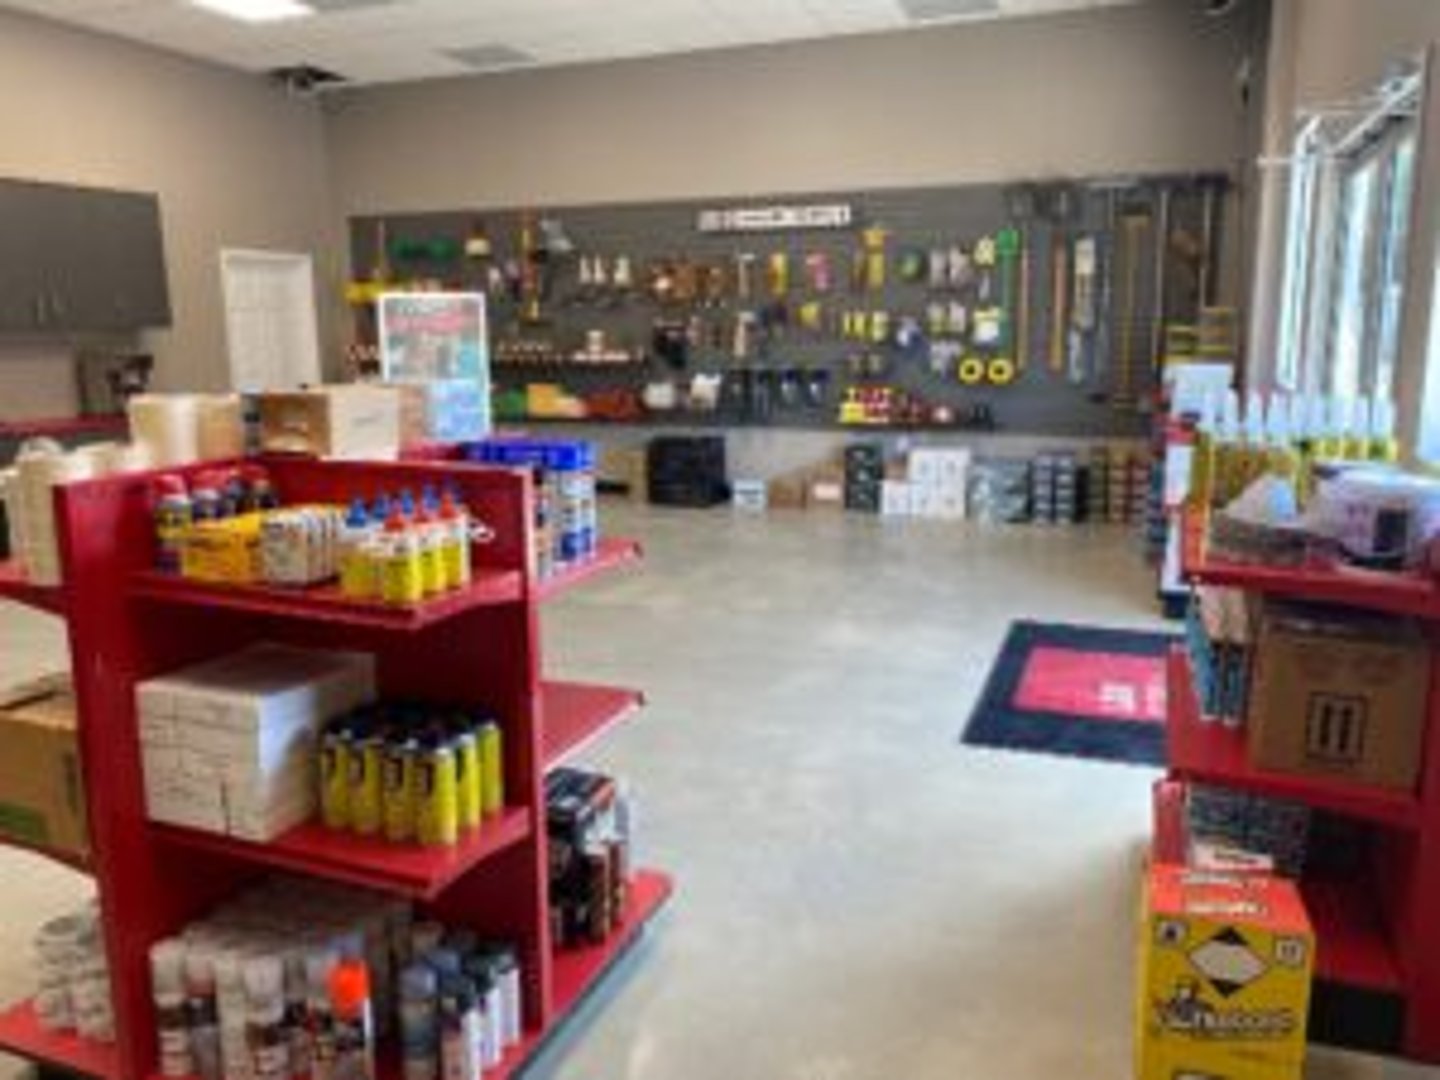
{"x":265,"y":1019}
{"x":459,"y":1030}
{"x":354,"y":1025}
{"x":437,"y":817}
{"x":366,"y":750}
{"x":419,"y":1039}
{"x":335,"y":776}
{"x":167,"y":985}
{"x":492,"y":769}
{"x":173,"y":514}
{"x":320,"y":961}
{"x":398,"y":789}
{"x":202,"y":1011}
{"x":469,"y":784}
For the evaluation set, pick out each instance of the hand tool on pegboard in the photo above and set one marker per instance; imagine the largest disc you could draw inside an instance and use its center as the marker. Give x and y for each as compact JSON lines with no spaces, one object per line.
{"x":1082,"y":309}
{"x":1061,"y":207}
{"x":1102,"y":359}
{"x":1159,"y":300}
{"x":1021,"y":203}
{"x":1134,"y":220}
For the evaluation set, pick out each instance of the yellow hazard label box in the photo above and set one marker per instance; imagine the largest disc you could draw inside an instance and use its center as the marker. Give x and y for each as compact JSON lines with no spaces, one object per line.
{"x":1224,"y":977}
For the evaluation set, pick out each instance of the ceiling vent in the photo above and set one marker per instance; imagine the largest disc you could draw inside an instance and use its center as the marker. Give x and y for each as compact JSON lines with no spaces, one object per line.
{"x":304,"y":79}
{"x":935,"y":10}
{"x":490,"y":57}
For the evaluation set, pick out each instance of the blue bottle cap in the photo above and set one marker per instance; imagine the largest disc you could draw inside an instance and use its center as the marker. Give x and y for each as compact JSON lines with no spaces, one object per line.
{"x":358,"y":517}
{"x":380,"y":509}
{"x":407,"y":503}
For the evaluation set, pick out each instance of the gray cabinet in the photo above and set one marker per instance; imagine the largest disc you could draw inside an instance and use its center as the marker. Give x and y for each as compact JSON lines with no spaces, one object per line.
{"x":80,"y":260}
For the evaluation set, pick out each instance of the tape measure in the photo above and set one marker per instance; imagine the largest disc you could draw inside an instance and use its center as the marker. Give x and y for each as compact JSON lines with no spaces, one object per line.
{"x":972,"y":371}
{"x":1000,"y":371}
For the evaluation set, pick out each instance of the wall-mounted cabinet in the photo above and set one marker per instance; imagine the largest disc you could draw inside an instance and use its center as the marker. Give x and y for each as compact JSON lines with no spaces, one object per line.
{"x":76,"y":260}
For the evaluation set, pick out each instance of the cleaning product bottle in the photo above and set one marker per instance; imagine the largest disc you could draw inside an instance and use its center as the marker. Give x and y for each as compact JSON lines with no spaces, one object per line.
{"x":1383,"y":444}
{"x":1281,"y":459}
{"x":1323,"y":444}
{"x":353,"y":1024}
{"x":1227,"y":448}
{"x":1252,"y":457}
{"x":400,"y":583}
{"x":1341,"y":419}
{"x":357,"y":565}
{"x":1202,"y":458}
{"x":1303,"y":438}
{"x":1360,"y":430}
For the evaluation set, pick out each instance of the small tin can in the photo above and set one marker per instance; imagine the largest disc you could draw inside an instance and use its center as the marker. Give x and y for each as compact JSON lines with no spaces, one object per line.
{"x":437,"y":815}
{"x":335,"y":777}
{"x":398,"y":789}
{"x":366,"y":751}
{"x":492,"y":768}
{"x":469,"y":785}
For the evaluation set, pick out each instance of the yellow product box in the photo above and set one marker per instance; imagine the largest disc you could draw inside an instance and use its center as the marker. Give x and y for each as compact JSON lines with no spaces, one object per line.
{"x":223,"y":551}
{"x":1225,"y":967}
{"x":42,"y":796}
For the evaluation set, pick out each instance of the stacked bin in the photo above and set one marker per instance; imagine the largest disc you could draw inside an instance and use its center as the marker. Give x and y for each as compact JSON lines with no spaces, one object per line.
{"x":566,"y":515}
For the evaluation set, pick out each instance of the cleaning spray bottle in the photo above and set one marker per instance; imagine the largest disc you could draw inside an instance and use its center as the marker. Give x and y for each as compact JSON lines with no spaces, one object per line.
{"x":1202,"y":460}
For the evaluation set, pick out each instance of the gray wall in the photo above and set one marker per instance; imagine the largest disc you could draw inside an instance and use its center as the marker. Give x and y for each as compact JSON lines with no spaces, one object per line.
{"x":235,"y":163}
{"x":1142,"y":88}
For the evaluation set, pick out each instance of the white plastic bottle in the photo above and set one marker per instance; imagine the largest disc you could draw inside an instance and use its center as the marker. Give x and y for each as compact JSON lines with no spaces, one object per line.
{"x":167,"y":985}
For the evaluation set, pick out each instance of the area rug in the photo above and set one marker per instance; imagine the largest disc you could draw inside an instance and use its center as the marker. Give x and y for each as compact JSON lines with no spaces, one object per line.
{"x":1077,"y":691}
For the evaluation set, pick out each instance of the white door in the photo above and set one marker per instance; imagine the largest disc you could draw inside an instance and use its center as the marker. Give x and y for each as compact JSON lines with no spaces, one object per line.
{"x":270,"y":326}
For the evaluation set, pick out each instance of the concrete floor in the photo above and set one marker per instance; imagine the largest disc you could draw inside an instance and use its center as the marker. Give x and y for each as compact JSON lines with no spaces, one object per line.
{"x":860,"y":898}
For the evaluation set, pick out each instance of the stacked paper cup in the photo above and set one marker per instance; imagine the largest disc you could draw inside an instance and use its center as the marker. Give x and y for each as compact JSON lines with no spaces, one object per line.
{"x":74,"y":979}
{"x":42,"y":466}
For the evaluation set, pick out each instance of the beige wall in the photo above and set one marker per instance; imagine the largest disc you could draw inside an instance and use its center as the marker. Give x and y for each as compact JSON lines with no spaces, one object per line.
{"x":235,"y":163}
{"x":1110,"y":91}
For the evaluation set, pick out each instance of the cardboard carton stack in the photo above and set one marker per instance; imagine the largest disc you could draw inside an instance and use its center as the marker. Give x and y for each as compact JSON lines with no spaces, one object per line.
{"x":228,"y":745}
{"x":41,"y":793}
{"x":939,"y":479}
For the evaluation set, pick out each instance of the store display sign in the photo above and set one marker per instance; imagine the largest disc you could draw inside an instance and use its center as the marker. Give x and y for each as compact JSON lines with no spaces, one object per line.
{"x":776,"y":218}
{"x":434,"y":336}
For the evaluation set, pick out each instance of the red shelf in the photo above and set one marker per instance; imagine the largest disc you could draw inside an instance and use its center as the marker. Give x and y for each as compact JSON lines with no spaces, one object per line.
{"x":21,"y":1034}
{"x":1352,"y":946}
{"x":326,"y":603}
{"x":576,"y":971}
{"x":405,"y":869}
{"x":1168,"y":844}
{"x":1209,"y":752}
{"x":15,"y":586}
{"x":573,"y":714}
{"x":611,"y":555}
{"x":61,"y":427}
{"x":1395,"y":593}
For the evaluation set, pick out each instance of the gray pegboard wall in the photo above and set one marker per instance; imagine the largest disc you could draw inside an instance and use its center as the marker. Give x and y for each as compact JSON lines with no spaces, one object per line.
{"x":1122,"y":216}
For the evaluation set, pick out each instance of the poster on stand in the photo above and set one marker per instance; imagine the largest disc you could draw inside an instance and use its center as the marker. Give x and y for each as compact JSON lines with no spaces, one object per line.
{"x":440,"y":340}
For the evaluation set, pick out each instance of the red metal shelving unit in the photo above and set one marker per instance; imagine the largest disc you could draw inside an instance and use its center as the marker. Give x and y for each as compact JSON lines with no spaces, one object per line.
{"x":1377,"y":933}
{"x":575,"y":714}
{"x":479,"y":647}
{"x":21,"y":1033}
{"x":611,"y":555}
{"x":15,"y":586}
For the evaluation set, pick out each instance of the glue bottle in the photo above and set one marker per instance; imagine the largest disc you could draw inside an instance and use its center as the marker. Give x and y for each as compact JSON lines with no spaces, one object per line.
{"x":1202,"y":461}
{"x":1251,"y":458}
{"x":433,"y":536}
{"x":401,"y":577}
{"x":358,"y":579}
{"x":1281,"y":459}
{"x":1227,"y":448}
{"x":457,"y":541}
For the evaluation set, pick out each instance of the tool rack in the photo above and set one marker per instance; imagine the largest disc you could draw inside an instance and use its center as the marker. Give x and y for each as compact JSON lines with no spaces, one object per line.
{"x":478,"y":646}
{"x":1378,"y":937}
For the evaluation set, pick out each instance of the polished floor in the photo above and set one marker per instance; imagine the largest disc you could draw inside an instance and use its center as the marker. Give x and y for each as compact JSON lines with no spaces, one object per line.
{"x":859,"y":897}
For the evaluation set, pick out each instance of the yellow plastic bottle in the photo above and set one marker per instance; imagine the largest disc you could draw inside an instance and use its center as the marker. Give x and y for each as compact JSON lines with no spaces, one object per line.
{"x":1383,"y":445}
{"x":401,"y":581}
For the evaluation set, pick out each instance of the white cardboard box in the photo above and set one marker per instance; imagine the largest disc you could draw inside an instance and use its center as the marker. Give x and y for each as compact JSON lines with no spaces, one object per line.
{"x":895,"y":498}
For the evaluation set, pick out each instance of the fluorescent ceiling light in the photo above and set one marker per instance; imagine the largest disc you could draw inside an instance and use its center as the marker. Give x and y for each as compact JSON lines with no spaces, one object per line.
{"x":256,"y":10}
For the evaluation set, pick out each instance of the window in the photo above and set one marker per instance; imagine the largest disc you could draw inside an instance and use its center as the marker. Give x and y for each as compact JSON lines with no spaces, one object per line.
{"x":1351,"y":190}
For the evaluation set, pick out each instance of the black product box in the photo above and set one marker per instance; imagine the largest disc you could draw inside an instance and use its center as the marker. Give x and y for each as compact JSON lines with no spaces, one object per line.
{"x":865,"y":455}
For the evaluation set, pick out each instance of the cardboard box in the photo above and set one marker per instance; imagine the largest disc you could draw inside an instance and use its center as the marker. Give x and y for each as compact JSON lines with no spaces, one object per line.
{"x":1224,"y":977}
{"x":752,"y":495}
{"x":351,"y":422}
{"x":222,"y":551}
{"x":827,"y":489}
{"x":895,"y":498}
{"x":1339,"y":694}
{"x":42,"y":793}
{"x":625,"y":467}
{"x":788,"y":492}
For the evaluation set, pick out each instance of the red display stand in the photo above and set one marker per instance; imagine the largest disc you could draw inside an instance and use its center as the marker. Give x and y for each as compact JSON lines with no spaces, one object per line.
{"x":1378,"y":960}
{"x":479,"y":646}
